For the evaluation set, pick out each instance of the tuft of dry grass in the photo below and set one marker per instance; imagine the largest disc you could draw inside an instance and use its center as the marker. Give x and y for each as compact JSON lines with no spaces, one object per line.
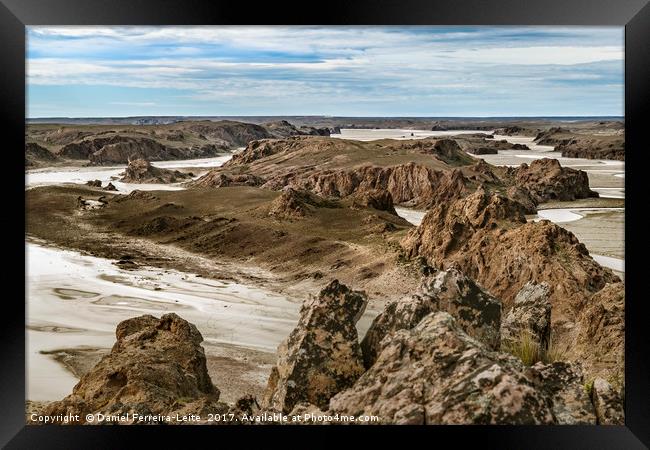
{"x":530,"y":351}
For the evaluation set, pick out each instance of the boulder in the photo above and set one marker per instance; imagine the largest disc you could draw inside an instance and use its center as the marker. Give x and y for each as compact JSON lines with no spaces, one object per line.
{"x":110,"y":187}
{"x":322,"y":355}
{"x":437,"y":374}
{"x":156,"y":366}
{"x":607,"y":403}
{"x":564,"y":384}
{"x":477,"y":312}
{"x":531,"y":312}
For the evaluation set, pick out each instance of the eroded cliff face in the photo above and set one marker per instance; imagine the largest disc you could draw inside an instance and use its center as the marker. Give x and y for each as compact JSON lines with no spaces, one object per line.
{"x":443,"y":171}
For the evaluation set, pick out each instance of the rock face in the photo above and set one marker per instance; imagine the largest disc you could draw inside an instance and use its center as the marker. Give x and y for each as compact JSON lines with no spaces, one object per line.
{"x":607,"y":403}
{"x":141,"y":171}
{"x":563,"y":383}
{"x":531,"y":312}
{"x":155,"y":367}
{"x":284,"y":129}
{"x":322,"y":355}
{"x":379,"y":199}
{"x":436,"y":374}
{"x":477,"y":312}
{"x":411,"y":184}
{"x":546,"y":180}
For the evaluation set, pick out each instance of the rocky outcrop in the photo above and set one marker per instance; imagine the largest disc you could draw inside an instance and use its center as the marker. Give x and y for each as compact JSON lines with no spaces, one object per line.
{"x":531,"y":312}
{"x":284,"y":129}
{"x":599,"y":339}
{"x":477,"y":312}
{"x":378,"y":199}
{"x":594,"y":148}
{"x":411,"y":184}
{"x":524,"y":198}
{"x":220,"y":179}
{"x":435,"y":373}
{"x":546,"y":180}
{"x":110,"y":187}
{"x":292,"y":204}
{"x":35,"y":154}
{"x":607,"y":403}
{"x":94,"y":183}
{"x":229,"y":133}
{"x":486,"y":236}
{"x":156,"y":366}
{"x":564,"y":385}
{"x":515,"y":130}
{"x":548,"y":137}
{"x":322,"y":355}
{"x":482,"y":151}
{"x":141,"y":171}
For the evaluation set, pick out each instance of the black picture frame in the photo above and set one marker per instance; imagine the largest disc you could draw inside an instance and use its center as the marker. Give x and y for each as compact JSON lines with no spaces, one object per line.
{"x":634,"y":15}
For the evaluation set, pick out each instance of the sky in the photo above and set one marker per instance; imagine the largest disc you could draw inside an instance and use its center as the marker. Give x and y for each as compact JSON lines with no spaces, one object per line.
{"x":338,"y":71}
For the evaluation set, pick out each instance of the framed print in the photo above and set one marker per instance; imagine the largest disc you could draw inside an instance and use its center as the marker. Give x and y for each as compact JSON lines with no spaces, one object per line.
{"x":403,"y":215}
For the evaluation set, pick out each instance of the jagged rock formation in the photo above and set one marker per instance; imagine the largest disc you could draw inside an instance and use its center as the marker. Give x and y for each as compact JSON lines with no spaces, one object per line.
{"x":141,"y":171}
{"x":154,"y":364}
{"x":477,"y":312}
{"x":322,"y":355}
{"x":487,"y":237}
{"x":110,"y":187}
{"x":546,"y":180}
{"x":607,"y":403}
{"x":564,"y":384}
{"x":436,"y":374}
{"x":531,"y":312}
{"x":35,"y":154}
{"x":293,"y":204}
